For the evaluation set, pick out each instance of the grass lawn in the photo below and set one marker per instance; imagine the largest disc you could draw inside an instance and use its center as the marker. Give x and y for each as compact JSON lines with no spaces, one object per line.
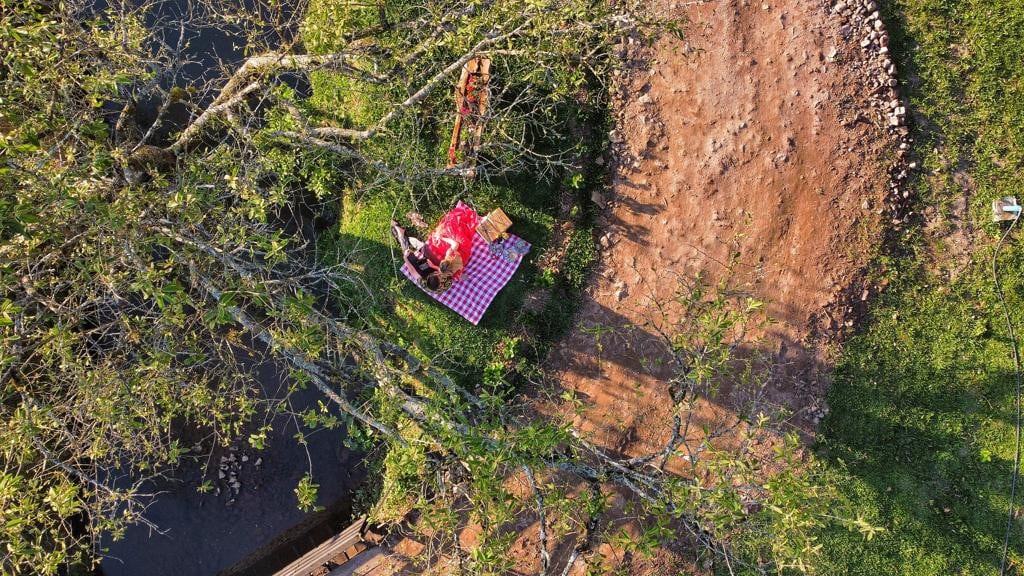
{"x":921,"y":427}
{"x":405,"y":312}
{"x":388,"y":302}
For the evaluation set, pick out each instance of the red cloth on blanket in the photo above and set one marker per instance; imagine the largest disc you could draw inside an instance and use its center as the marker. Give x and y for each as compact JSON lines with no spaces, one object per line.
{"x":459,"y":224}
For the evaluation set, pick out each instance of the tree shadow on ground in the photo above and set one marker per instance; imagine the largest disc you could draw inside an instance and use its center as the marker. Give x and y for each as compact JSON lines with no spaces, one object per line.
{"x":915,"y":456}
{"x":902,"y":434}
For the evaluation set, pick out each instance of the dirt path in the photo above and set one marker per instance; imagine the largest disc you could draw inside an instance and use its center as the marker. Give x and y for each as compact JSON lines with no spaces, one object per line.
{"x":747,"y":135}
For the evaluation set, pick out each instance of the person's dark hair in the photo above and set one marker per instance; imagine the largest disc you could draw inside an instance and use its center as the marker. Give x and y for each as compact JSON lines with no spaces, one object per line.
{"x":433,"y":281}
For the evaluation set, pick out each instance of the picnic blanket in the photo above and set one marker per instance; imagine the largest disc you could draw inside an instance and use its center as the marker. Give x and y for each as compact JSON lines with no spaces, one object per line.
{"x":489,"y":268}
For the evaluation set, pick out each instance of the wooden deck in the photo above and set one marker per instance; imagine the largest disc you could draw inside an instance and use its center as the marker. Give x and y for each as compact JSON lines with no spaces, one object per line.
{"x":346,"y":544}
{"x":369,"y":563}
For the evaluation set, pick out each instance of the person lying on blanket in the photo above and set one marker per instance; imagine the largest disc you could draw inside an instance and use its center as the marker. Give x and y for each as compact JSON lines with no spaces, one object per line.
{"x":441,"y":259}
{"x":452,"y":240}
{"x":416,"y":253}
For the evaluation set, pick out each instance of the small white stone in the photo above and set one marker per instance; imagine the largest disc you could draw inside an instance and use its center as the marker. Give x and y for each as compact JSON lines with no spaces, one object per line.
{"x":621,"y":292}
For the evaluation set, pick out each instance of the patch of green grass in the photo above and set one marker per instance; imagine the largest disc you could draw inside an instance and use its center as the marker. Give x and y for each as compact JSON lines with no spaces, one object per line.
{"x":384,"y":300}
{"x":922,"y":407}
{"x":410,"y":316}
{"x":921,"y":412}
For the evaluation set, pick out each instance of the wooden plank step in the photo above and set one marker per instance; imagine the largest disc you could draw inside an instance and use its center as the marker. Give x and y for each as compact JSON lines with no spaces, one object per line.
{"x":327,"y":549}
{"x":369,"y":564}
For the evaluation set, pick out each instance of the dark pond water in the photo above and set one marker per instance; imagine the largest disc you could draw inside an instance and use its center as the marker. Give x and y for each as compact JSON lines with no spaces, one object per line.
{"x":261,"y":528}
{"x":209,"y":51}
{"x":255,"y":531}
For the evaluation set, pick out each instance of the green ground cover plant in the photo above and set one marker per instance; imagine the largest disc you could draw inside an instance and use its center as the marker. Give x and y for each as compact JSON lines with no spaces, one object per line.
{"x":923,"y":402}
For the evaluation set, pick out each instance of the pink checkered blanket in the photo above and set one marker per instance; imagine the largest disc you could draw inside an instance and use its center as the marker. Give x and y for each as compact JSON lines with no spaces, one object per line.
{"x":488,"y":271}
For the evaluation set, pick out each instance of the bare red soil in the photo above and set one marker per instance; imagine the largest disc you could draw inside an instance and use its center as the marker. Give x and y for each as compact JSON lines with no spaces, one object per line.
{"x":751,"y":139}
{"x":747,"y":137}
